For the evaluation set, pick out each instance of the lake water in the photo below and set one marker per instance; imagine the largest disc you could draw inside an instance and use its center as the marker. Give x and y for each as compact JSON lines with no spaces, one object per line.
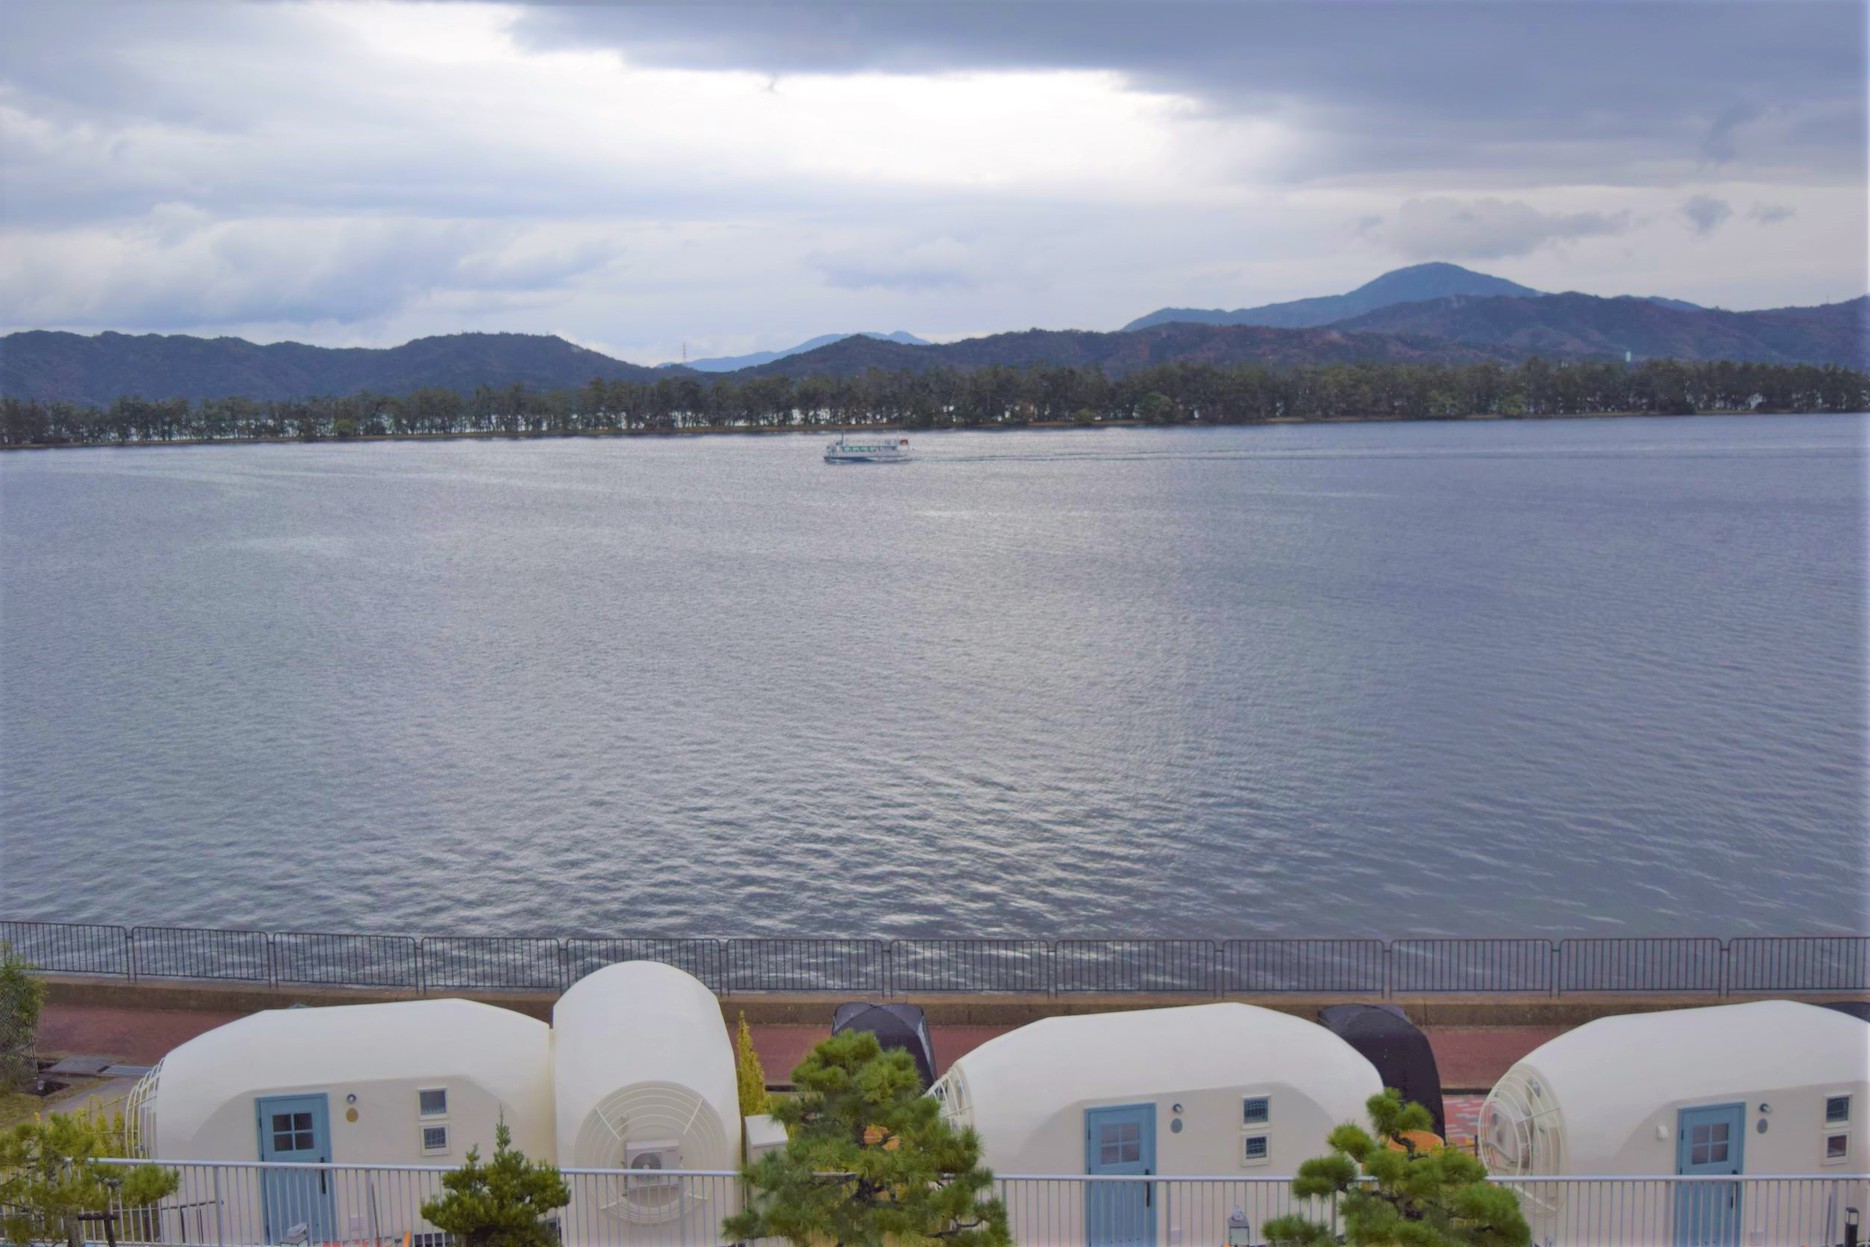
{"x":1575,"y":677}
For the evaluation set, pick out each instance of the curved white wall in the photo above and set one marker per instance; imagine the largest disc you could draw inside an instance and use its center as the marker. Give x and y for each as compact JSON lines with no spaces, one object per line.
{"x":640,"y":1052}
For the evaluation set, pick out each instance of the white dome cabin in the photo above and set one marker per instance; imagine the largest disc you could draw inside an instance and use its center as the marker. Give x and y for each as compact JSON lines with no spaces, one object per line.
{"x":415,"y":1082}
{"x":644,"y":1077}
{"x":1203,"y":1090}
{"x":1768,"y":1087}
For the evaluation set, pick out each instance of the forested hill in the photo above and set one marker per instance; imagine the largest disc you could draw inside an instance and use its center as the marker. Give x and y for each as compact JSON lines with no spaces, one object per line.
{"x":1451,"y":331}
{"x":1581,"y":326}
{"x":70,"y":367}
{"x":1404,"y":285}
{"x":1118,"y":354}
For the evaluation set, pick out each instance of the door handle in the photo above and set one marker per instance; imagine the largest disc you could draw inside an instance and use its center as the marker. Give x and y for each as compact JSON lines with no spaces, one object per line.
{"x":321,"y":1178}
{"x":1149,"y":1192}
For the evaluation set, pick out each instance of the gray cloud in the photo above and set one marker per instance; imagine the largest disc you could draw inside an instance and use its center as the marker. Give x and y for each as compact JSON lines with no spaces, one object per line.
{"x":181,"y":270}
{"x":1771,"y":214}
{"x":1529,"y":90}
{"x":1490,"y":229}
{"x":1706,"y":213}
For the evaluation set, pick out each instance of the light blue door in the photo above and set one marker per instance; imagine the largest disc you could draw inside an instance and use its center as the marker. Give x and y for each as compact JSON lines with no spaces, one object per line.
{"x":1120,"y":1141}
{"x":296,"y":1129}
{"x":1710,"y":1141}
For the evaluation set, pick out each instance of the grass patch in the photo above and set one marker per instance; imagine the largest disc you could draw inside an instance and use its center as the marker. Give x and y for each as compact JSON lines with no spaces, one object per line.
{"x":17,"y":1106}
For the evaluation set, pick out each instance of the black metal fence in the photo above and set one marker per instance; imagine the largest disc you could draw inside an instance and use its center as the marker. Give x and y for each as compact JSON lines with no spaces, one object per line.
{"x":1214,"y":968}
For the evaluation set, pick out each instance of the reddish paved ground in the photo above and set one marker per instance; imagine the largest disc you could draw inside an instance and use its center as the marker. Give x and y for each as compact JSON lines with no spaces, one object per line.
{"x":1463,"y":1117}
{"x":132,"y":1036}
{"x":1473,"y":1057}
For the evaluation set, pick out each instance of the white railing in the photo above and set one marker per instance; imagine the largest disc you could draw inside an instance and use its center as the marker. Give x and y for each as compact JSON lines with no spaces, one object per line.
{"x":245,"y":1204}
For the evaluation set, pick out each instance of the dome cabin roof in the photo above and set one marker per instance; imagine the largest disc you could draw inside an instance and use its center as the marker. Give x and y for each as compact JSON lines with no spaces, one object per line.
{"x":1011,"y":1085}
{"x":506,"y":1053}
{"x":1608,"y":1077}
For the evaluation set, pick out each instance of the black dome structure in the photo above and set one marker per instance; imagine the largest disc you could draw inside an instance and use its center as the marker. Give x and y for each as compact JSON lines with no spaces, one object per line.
{"x":895,"y":1026}
{"x":1400,"y":1051}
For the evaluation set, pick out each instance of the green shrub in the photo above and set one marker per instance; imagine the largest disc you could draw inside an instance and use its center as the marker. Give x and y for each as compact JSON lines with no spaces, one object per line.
{"x":502,"y":1203}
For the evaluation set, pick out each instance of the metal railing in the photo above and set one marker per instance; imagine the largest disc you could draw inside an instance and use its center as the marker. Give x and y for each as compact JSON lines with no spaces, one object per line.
{"x":895,"y":968}
{"x":236,"y":1204}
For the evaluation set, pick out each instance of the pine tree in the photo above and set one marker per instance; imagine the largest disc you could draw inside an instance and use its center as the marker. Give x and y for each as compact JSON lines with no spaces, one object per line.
{"x":51,"y":1170}
{"x":1391,"y":1194}
{"x":21,"y":996}
{"x":869,"y":1161}
{"x":502,"y":1203}
{"x":749,"y":1073}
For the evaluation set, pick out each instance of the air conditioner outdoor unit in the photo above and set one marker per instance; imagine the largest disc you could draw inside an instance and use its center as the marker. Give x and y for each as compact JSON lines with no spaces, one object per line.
{"x":644,"y":1160}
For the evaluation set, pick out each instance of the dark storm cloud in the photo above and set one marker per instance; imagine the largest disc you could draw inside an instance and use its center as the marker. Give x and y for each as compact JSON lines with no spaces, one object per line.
{"x":1420,"y":86}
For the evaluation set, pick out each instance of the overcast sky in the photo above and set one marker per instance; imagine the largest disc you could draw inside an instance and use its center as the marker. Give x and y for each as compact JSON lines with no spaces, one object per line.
{"x":742,"y":177}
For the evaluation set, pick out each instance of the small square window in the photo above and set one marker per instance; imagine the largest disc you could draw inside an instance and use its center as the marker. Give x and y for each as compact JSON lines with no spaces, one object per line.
{"x":1256,"y":1110}
{"x":1837,"y":1146}
{"x":433,"y":1103}
{"x":434,"y":1138}
{"x":1256,"y":1149}
{"x":1837,"y":1109}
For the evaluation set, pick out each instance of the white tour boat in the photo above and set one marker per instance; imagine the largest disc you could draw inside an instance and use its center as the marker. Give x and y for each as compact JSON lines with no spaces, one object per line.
{"x":888,"y":450}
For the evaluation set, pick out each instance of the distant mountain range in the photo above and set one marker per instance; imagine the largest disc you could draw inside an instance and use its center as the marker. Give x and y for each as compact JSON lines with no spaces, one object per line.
{"x":1485,"y":318}
{"x":1581,"y":326}
{"x":1403,"y":285}
{"x":1120,"y":353}
{"x":733,"y":363}
{"x":95,"y":370}
{"x":1453,"y":330}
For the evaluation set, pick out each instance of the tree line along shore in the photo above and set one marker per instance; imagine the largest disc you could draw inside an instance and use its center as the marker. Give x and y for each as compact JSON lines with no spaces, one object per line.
{"x":990,"y":397}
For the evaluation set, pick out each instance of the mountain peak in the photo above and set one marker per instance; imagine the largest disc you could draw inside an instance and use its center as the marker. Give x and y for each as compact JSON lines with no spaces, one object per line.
{"x":1417,"y":283}
{"x":733,"y":363}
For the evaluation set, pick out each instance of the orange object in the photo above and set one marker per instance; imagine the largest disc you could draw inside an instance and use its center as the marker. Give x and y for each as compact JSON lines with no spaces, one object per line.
{"x":1418,"y":1141}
